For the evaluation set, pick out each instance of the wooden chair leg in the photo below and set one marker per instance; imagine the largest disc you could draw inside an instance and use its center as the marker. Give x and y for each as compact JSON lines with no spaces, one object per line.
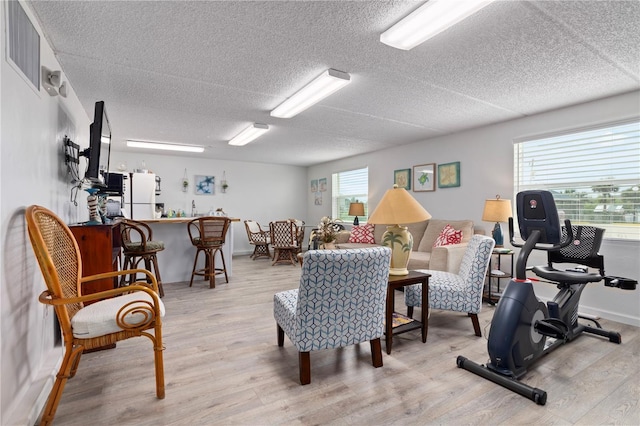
{"x":376,"y":352}
{"x":69,"y":362}
{"x":159,"y":360}
{"x":193,"y":271}
{"x":210,"y":269}
{"x":280,"y":336}
{"x":224,"y":265}
{"x":304,"y":360}
{"x":476,"y":324}
{"x":156,"y":271}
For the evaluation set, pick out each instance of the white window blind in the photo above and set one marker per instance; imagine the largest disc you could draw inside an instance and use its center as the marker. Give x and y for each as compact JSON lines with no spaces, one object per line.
{"x":593,"y":174}
{"x":348,"y":187}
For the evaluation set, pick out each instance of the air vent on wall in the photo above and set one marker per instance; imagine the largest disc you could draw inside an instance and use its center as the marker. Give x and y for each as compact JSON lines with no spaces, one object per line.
{"x":24,"y":43}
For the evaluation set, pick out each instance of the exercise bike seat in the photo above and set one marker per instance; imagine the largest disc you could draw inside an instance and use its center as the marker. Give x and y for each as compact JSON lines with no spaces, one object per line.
{"x":566,"y":277}
{"x":583,"y":250}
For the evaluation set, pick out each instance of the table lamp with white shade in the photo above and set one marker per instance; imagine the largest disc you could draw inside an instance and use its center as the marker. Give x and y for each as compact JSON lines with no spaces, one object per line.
{"x":497,"y":210}
{"x":398,"y":207}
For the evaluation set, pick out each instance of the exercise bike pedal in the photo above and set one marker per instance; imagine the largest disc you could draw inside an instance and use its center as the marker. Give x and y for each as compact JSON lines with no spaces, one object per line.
{"x":552,"y":327}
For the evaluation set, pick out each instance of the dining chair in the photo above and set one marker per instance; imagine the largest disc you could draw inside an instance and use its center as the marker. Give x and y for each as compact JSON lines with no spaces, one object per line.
{"x":258,"y":238}
{"x":90,"y":321}
{"x":284,"y":241}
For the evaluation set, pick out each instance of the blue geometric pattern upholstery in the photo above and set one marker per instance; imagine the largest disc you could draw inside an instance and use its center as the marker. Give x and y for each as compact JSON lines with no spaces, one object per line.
{"x":461,"y":292}
{"x":340,"y":302}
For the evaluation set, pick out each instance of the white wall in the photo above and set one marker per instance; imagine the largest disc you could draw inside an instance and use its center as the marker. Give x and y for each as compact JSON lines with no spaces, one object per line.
{"x":257,"y":191}
{"x":33,"y":172}
{"x":486,"y":157}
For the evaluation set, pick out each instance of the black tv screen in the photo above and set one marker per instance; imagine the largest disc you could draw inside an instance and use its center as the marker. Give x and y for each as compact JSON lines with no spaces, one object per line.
{"x":99,"y":147}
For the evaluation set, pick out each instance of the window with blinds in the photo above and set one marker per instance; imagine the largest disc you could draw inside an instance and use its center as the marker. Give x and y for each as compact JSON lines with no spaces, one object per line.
{"x":593,"y":174}
{"x":348,"y":187}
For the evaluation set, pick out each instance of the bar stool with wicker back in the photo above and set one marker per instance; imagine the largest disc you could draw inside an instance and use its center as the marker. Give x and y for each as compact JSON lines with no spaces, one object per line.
{"x":138,"y":245}
{"x":208,"y":235}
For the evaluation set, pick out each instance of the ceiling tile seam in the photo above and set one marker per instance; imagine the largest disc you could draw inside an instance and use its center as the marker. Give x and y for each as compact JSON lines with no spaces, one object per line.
{"x":404,"y":123}
{"x":142,"y":70}
{"x":590,"y":46}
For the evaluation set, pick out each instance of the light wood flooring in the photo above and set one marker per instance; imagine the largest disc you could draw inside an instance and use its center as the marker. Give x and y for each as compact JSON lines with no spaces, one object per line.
{"x":223,"y":367}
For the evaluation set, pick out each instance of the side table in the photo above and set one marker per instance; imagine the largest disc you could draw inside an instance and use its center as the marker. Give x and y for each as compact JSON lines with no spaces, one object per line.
{"x":398,"y":281}
{"x":498,"y":274}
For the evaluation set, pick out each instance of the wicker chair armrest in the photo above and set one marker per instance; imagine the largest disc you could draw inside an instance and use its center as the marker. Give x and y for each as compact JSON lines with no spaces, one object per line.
{"x":47,"y":298}
{"x":154,"y":281}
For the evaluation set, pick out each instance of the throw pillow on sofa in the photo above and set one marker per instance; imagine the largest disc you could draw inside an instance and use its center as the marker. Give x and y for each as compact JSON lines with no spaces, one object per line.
{"x":449,"y":235}
{"x":362,"y":234}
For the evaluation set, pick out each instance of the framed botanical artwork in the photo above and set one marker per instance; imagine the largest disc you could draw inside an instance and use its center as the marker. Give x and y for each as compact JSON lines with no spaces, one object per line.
{"x":424,"y":177}
{"x":402,"y":178}
{"x":322,"y":185}
{"x":205,"y":185}
{"x":449,"y":175}
{"x":314,"y":185}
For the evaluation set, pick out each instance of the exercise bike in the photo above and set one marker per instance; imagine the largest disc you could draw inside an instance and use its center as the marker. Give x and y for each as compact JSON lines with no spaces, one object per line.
{"x":523,"y":328}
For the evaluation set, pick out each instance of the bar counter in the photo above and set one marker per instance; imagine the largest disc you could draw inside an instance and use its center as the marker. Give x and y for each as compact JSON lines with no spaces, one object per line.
{"x":176,"y":260}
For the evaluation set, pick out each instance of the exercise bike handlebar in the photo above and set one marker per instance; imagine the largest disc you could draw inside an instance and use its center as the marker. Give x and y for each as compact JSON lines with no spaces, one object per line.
{"x":531,"y":243}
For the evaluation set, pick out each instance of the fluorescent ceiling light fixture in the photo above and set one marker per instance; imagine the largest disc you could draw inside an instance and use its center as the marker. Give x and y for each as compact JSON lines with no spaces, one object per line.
{"x":250,"y":133}
{"x":325,"y":84}
{"x":428,"y":20}
{"x":165,"y":146}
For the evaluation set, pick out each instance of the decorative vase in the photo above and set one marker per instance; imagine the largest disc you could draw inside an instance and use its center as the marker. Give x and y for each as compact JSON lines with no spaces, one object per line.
{"x":328,"y":246}
{"x":400,"y":241}
{"x":92,"y":205}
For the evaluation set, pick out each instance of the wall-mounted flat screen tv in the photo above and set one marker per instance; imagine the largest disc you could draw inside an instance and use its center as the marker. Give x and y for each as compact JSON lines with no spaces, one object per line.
{"x":99,"y":149}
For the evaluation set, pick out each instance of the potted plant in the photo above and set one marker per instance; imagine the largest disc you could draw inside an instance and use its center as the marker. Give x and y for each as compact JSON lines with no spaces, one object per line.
{"x":327,"y":232}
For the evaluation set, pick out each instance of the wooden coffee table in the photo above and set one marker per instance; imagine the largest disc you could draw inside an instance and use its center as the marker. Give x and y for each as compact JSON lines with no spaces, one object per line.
{"x":398,"y":281}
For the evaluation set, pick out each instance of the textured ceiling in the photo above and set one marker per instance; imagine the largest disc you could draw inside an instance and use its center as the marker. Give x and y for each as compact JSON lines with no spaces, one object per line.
{"x":200,"y":72}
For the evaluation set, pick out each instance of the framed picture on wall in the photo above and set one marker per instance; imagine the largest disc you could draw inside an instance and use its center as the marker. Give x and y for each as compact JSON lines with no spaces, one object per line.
{"x":402,"y":178}
{"x":322,"y":184}
{"x":314,"y":185}
{"x":205,"y":185}
{"x":424,"y":177}
{"x":449,"y":175}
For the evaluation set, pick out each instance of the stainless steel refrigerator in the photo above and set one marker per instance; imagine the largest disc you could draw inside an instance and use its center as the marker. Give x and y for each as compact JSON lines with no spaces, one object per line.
{"x":141,"y":196}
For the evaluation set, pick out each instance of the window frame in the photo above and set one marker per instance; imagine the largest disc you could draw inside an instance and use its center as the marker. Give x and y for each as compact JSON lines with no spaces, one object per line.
{"x":340,"y":200}
{"x":604,"y":171}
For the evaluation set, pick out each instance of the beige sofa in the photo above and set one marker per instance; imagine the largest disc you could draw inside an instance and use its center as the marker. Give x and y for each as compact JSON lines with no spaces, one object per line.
{"x":424,"y":255}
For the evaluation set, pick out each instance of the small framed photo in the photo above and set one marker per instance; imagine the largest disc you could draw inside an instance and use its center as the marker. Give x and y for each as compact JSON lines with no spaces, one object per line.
{"x":449,"y":175}
{"x":424,"y":177}
{"x":322,"y":183}
{"x":402,"y":178}
{"x":314,"y":185}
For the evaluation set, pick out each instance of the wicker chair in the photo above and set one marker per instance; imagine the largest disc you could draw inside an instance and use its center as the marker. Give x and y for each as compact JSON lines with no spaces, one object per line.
{"x":138,"y":245}
{"x":259,"y":238}
{"x":208,"y":235}
{"x":135,"y":311}
{"x":299,"y":233}
{"x":284,"y":240}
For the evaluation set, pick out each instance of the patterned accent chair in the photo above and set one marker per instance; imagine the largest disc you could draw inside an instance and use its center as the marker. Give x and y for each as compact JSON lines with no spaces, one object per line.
{"x":461,"y":292}
{"x":340,"y":302}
